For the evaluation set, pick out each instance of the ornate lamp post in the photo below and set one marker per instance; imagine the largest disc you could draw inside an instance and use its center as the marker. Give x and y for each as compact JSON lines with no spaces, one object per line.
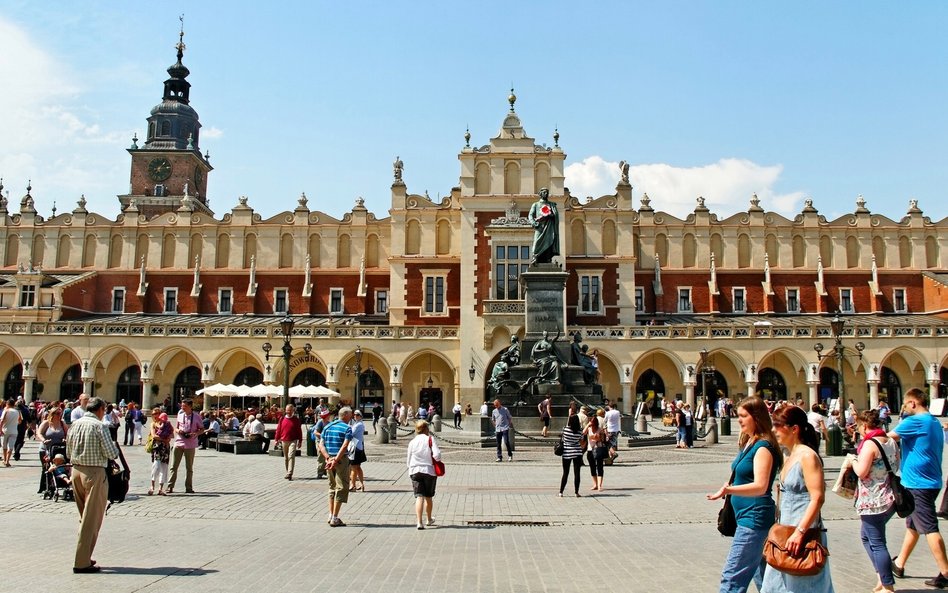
{"x":286,"y":330}
{"x":357,"y":370}
{"x":836,"y":326}
{"x":706,"y":369}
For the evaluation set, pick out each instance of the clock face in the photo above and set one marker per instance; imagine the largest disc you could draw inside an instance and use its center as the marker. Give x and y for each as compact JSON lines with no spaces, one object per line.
{"x":159,"y":169}
{"x":198,"y":176}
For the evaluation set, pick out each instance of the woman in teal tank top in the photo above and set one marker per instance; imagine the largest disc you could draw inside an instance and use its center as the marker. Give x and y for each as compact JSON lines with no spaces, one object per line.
{"x":754,"y":469}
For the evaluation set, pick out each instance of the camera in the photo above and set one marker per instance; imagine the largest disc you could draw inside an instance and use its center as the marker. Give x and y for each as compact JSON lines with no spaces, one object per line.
{"x":187,"y":435}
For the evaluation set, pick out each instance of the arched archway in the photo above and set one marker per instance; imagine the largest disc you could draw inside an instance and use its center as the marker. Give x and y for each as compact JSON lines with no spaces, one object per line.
{"x":716,"y":384}
{"x":129,"y":385}
{"x":829,"y":384}
{"x":70,"y":385}
{"x":650,"y":388}
{"x":771,"y":385}
{"x":185,"y":384}
{"x":251,"y":376}
{"x":13,"y":383}
{"x":309,"y":376}
{"x":890,"y":389}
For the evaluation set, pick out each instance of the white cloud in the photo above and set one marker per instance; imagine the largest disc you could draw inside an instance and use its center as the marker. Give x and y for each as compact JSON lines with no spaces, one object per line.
{"x":49,"y":136}
{"x":211,"y":133}
{"x":726,"y":185}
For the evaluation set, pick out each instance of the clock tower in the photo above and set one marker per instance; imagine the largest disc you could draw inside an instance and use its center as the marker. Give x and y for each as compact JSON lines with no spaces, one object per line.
{"x":169,"y":172}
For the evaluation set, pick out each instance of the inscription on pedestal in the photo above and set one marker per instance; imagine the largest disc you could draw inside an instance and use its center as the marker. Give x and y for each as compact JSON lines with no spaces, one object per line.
{"x":545,"y":299}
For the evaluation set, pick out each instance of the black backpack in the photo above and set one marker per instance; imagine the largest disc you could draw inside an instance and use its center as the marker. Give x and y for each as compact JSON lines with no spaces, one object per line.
{"x":118,"y":479}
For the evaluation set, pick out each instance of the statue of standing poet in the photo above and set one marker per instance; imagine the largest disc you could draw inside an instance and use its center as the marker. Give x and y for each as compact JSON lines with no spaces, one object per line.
{"x":546,"y":229}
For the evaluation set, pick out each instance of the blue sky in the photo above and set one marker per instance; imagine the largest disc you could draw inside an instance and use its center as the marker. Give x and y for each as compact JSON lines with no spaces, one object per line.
{"x":722,"y":99}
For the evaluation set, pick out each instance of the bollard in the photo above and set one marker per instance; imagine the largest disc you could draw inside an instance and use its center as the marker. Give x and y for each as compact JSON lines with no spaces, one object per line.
{"x":382,"y":437}
{"x":436,"y":423}
{"x":834,"y":441}
{"x":392,"y":429}
{"x":711,"y":435}
{"x":641,"y":424}
{"x":725,"y":426}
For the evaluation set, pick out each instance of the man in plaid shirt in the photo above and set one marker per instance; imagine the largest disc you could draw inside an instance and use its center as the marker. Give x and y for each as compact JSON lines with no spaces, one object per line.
{"x":89,"y":448}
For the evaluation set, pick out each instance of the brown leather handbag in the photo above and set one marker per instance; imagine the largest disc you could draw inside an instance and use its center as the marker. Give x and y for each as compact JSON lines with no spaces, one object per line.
{"x":810,"y":558}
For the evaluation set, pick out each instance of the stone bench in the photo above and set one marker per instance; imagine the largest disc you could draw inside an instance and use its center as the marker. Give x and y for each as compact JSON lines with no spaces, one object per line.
{"x":238,"y":445}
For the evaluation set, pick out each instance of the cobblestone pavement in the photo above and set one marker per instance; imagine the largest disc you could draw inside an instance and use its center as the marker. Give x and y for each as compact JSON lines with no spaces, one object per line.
{"x":248,"y":529}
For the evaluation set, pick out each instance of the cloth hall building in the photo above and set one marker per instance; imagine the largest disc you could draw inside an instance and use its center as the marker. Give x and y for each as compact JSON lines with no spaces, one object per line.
{"x":164,"y":297}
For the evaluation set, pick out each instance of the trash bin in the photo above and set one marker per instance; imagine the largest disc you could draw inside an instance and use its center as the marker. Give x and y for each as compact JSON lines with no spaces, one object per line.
{"x":725,"y":426}
{"x":310,"y":443}
{"x":834,"y":441}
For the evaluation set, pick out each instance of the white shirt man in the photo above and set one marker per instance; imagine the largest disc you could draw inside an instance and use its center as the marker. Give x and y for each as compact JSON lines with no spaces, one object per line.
{"x":255,"y":431}
{"x":80,"y":410}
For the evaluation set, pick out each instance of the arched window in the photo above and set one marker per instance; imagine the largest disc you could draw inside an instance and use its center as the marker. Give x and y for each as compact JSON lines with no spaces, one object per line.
{"x":64,"y":252}
{"x":196,"y":249}
{"x":650,"y":388}
{"x":689,"y":251}
{"x":13,"y":249}
{"x":13,"y":384}
{"x":88,"y":252}
{"x":799,"y":252}
{"x":70,"y":385}
{"x":773,"y":251}
{"x":770,"y":385}
{"x":577,"y":238}
{"x":826,"y":251}
{"x":609,"y":237}
{"x":931,"y":252}
{"x":743,"y":251}
{"x":185,"y":384}
{"x":878,"y":250}
{"x":39,"y":250}
{"x":852,"y":252}
{"x":443,"y":239}
{"x":165,"y":128}
{"x":115,"y":251}
{"x":286,"y":251}
{"x":250,"y":249}
{"x":129,"y":385}
{"x":512,"y":178}
{"x":343,"y":253}
{"x":309,"y":376}
{"x":249,"y":376}
{"x":223,"y":251}
{"x":829,"y":384}
{"x":717,"y":248}
{"x":541,"y":177}
{"x":372,"y":251}
{"x":167,"y":251}
{"x":314,"y":251}
{"x":905,"y":252}
{"x":482,"y":179}
{"x":413,"y":238}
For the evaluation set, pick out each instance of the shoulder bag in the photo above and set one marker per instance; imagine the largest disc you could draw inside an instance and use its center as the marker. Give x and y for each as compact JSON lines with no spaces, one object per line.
{"x":810,"y":558}
{"x":904,"y":501}
{"x":558,"y":447}
{"x":727,"y":521}
{"x":438,"y":465}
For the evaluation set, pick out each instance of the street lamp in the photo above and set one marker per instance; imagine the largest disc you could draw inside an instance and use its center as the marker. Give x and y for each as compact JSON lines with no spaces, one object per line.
{"x":836,"y":326}
{"x":472,"y":372}
{"x":357,"y":369}
{"x":286,"y":330}
{"x":705,"y":369}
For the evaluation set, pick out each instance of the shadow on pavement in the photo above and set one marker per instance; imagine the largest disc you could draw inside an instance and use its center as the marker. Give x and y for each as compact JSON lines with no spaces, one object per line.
{"x":158,"y":570}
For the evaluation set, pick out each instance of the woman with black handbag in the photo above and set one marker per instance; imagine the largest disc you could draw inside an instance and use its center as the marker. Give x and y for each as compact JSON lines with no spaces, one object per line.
{"x":572,"y":452}
{"x":796,"y":547}
{"x":753,"y":469}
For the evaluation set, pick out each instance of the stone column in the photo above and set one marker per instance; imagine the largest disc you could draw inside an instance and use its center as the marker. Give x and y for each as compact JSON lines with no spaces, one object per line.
{"x":813,"y":394}
{"x":874,"y":393}
{"x":148,"y":400}
{"x":690,"y":395}
{"x":207,"y":400}
{"x":87,"y":385}
{"x":27,"y":389}
{"x":627,"y":397}
{"x":751,"y":388}
{"x":396,"y":396}
{"x":933,"y":389}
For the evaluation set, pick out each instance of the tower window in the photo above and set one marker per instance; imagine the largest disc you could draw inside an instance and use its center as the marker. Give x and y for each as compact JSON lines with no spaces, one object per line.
{"x":166,"y":128}
{"x":159,"y":191}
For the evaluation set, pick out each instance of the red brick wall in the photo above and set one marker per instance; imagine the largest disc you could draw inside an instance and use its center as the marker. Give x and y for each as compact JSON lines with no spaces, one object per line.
{"x":610,"y":286}
{"x":484,"y":255}
{"x":415,"y":294}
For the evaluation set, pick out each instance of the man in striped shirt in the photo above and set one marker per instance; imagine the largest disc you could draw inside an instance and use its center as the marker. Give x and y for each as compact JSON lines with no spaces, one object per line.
{"x":334,"y":446}
{"x":89,"y":448}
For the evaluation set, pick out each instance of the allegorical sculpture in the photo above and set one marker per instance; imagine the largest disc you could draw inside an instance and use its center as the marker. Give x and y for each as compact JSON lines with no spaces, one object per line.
{"x":546,"y":359}
{"x":500,"y":374}
{"x":579,"y":355}
{"x":546,"y":228}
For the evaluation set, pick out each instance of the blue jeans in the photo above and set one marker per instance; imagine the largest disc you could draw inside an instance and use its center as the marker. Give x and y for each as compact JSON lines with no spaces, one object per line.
{"x":873,"y":539}
{"x":503,"y":435}
{"x":745,"y":561}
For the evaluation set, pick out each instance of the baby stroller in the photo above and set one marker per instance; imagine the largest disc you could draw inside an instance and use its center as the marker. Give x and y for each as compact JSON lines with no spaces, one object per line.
{"x":56,"y":485}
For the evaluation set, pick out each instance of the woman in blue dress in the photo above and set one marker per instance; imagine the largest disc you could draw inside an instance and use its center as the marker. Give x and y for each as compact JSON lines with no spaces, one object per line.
{"x":802,"y":492}
{"x":754,"y":469}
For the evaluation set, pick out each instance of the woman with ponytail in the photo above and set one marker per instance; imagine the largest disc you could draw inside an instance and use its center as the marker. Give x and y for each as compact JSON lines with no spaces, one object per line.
{"x":801,"y":495}
{"x":754,"y":469}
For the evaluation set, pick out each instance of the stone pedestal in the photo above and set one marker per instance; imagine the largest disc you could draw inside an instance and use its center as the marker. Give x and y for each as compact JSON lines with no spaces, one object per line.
{"x":545,"y":300}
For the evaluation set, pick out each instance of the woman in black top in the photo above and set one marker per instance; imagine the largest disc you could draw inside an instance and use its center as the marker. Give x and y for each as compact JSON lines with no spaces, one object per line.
{"x":572,"y":452}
